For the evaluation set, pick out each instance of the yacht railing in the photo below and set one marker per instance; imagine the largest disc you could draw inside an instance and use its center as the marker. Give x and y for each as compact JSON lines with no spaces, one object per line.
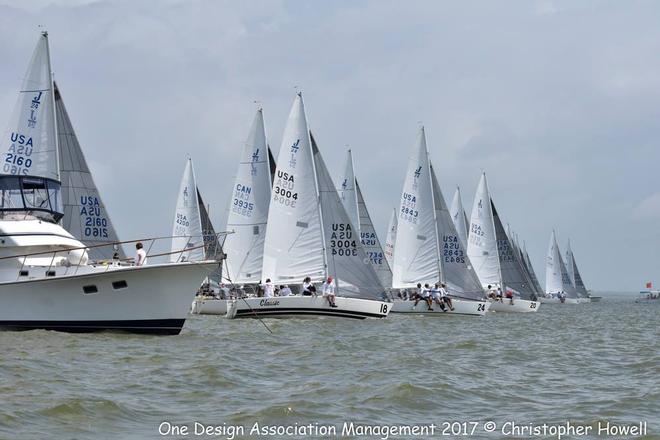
{"x":76,"y":261}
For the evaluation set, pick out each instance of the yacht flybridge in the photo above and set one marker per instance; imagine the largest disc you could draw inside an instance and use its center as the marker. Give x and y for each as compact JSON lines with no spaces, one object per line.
{"x":47,"y":279}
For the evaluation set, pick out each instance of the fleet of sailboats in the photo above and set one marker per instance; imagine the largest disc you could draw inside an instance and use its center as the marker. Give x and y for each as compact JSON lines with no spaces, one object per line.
{"x":288,"y":221}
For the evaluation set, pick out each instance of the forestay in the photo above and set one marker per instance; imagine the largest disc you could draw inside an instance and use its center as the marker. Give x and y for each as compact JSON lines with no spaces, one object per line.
{"x":456,"y":269}
{"x":85,"y":215}
{"x":459,"y":218}
{"x":512,"y":273}
{"x":391,"y":238}
{"x":416,"y":259}
{"x":482,"y":244}
{"x":248,"y":211}
{"x":293,"y":247}
{"x":346,"y":258}
{"x":187,"y":235}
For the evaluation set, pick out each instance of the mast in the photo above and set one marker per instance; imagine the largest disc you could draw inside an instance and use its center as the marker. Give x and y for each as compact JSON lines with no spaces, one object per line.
{"x":52,"y":98}
{"x":318,"y":193}
{"x":441,"y":271}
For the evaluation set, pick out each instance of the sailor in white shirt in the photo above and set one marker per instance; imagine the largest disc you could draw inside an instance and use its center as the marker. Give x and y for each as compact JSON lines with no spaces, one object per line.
{"x":328,"y":291}
{"x":269,"y":289}
{"x":444,"y":294}
{"x":140,"y":255}
{"x":285,"y":290}
{"x":436,"y":295}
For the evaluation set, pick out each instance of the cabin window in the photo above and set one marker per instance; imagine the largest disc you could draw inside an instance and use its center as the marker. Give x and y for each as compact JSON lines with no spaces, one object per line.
{"x":50,"y":273}
{"x":255,"y":230}
{"x":23,"y":273}
{"x":90,"y":289}
{"x":119,"y":285}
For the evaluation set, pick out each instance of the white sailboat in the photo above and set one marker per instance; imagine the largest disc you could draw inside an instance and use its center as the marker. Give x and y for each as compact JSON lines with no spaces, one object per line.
{"x":247,"y":216}
{"x":45,"y":281}
{"x":459,"y":217}
{"x":491,"y":253}
{"x":187,"y":235}
{"x":558,"y":286}
{"x":353,"y":201}
{"x":85,"y":214}
{"x":575,"y":277}
{"x":428,"y":248}
{"x":310,"y":234}
{"x":391,"y":239}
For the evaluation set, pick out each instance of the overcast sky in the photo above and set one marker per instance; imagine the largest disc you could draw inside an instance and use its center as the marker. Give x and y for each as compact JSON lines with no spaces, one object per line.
{"x":559,"y":102}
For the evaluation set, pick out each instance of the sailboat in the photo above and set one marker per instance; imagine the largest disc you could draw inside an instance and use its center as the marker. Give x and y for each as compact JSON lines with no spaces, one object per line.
{"x":390,"y":239}
{"x":246,"y":219}
{"x":558,"y":285}
{"x":459,"y":217}
{"x":575,"y":277}
{"x":310,"y":234}
{"x":45,"y":279}
{"x":428,"y":248}
{"x":85,"y":215}
{"x":491,"y":252}
{"x":356,"y":208}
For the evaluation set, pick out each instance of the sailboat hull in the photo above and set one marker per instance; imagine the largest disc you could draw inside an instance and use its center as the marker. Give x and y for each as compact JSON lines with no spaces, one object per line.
{"x":518,"y":306}
{"x":149,"y":299}
{"x":209,"y":306}
{"x":306,"y":306}
{"x":461,"y":307}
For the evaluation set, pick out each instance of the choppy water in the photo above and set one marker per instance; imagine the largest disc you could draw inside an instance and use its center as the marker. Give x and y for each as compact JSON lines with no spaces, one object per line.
{"x":583,"y":363}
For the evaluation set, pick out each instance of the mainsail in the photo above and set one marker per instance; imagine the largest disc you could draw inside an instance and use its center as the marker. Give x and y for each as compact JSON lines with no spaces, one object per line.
{"x":391,"y":239}
{"x":482,"y":241}
{"x":574,"y":273}
{"x":29,"y":178}
{"x":353,"y":201}
{"x":456,"y":269}
{"x":460,"y":219}
{"x":532,"y":272}
{"x":294,"y":246}
{"x":212,"y":245}
{"x":417,"y":258}
{"x":187,"y":236}
{"x":248,"y":211}
{"x":85,"y":215}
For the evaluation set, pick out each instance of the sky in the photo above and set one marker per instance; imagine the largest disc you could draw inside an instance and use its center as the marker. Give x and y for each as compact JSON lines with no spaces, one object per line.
{"x":557,"y":101}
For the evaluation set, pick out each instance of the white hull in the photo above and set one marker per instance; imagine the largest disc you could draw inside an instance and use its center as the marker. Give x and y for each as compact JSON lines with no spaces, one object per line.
{"x":209,"y":306}
{"x":306,"y":306}
{"x":518,"y":306}
{"x":155,"y":299}
{"x":461,"y":307}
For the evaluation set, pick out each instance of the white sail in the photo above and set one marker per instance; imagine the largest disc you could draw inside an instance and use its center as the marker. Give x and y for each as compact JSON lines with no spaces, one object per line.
{"x":355,"y":206}
{"x":187,"y":228}
{"x":348,"y":191}
{"x":346,"y":258}
{"x":30,"y":144}
{"x":85,"y":215}
{"x":511,"y":269}
{"x":482,"y":242}
{"x":294,"y":247}
{"x":456,"y":269}
{"x":458,"y":216}
{"x":248,"y":212}
{"x":556,"y":276}
{"x":574,"y":273}
{"x":416,"y":259}
{"x":391,"y":239}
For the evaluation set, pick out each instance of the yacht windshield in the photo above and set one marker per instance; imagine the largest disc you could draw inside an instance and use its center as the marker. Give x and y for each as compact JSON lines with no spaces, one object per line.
{"x":32,"y":196}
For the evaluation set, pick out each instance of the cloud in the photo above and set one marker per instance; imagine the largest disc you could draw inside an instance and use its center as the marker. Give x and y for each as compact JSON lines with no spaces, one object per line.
{"x":648,"y":209}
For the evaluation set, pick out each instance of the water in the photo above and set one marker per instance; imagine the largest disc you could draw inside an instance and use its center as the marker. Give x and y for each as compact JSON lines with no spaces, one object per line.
{"x":579,"y":363}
